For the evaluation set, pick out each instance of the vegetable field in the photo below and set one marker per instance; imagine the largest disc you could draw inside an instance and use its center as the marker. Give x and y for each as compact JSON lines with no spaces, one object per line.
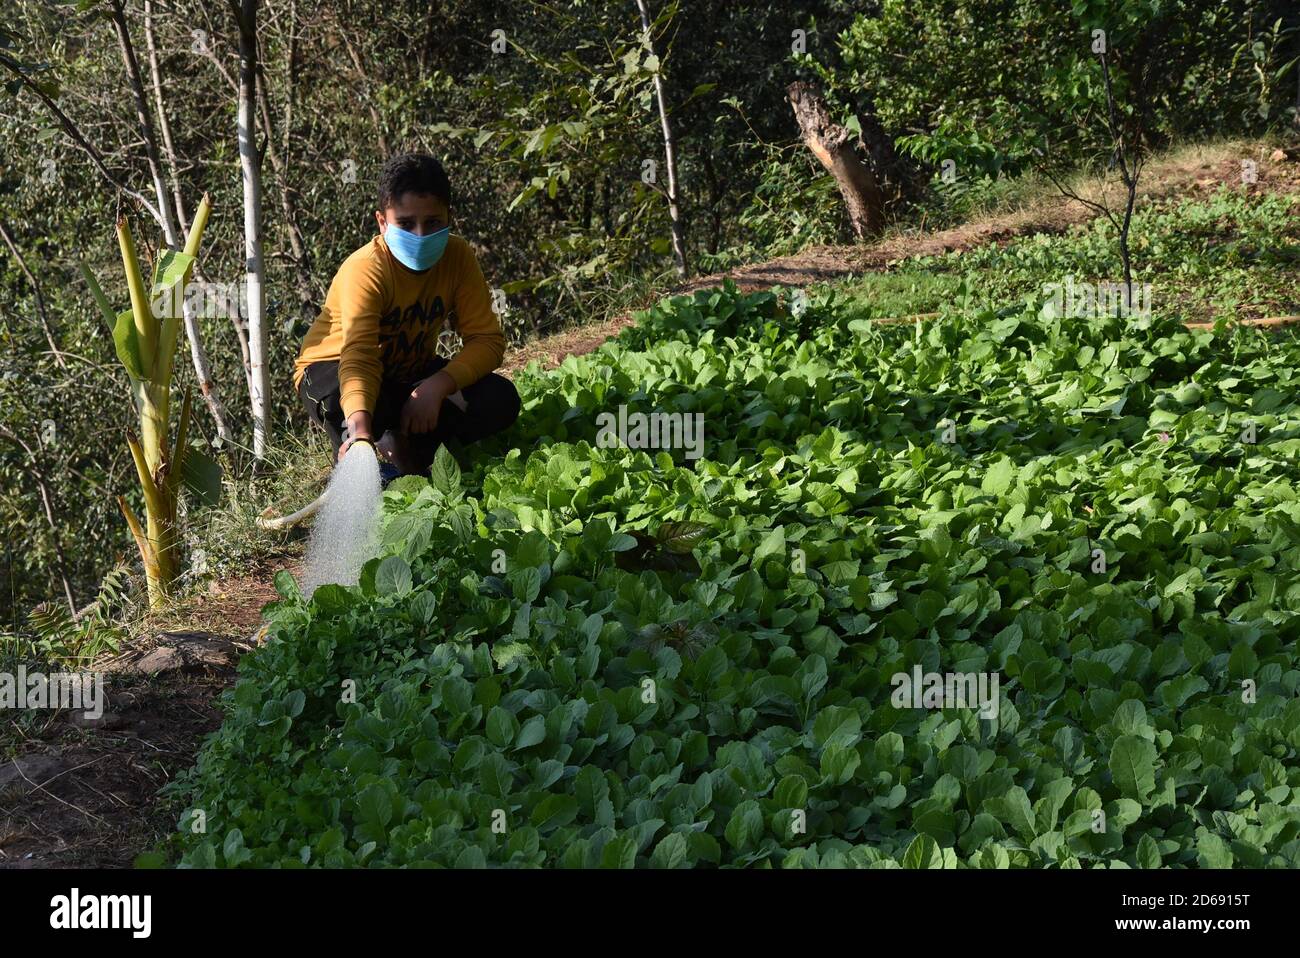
{"x":584,"y":656}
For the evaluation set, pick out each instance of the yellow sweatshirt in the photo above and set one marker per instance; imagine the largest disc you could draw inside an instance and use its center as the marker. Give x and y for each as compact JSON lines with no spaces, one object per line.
{"x":381,"y":319}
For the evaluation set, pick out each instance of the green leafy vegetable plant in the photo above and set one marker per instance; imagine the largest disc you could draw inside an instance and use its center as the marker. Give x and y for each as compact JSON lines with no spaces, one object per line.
{"x":576,"y":656}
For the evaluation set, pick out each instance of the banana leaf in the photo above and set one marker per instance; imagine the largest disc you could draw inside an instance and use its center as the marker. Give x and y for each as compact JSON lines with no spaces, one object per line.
{"x":126,"y":340}
{"x":201,"y":475}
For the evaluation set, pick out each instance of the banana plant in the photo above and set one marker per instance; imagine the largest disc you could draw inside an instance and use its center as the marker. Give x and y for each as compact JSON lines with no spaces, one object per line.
{"x":145,"y":338}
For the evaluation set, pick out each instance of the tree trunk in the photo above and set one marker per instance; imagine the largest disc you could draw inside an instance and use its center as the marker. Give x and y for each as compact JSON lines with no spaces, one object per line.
{"x":891,"y":173}
{"x":606,"y":216}
{"x":255,"y":268}
{"x":166,"y":218}
{"x":164,"y":126}
{"x":146,"y":126}
{"x":832,"y":145}
{"x":1129,"y":157}
{"x":670,"y":152}
{"x":1295,"y":117}
{"x":715,"y":202}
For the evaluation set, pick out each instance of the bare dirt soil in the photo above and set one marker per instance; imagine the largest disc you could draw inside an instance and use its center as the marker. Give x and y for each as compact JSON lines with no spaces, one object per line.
{"x":82,"y":792}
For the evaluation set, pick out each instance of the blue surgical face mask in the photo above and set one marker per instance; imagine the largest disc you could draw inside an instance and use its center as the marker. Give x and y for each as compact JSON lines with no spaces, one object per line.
{"x":416,"y":252}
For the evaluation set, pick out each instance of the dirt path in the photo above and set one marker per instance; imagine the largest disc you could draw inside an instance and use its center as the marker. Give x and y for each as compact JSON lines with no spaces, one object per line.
{"x":83,"y":791}
{"x":1190,"y":172}
{"x":84,"y":794}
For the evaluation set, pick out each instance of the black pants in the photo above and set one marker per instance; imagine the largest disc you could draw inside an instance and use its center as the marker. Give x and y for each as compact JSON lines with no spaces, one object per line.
{"x":492,"y":404}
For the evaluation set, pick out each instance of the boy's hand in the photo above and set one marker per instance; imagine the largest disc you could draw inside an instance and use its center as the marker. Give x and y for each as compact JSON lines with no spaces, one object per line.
{"x":420,"y":413}
{"x":359,"y":428}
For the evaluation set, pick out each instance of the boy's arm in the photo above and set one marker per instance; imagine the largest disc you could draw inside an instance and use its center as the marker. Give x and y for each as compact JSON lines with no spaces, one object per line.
{"x":361,"y":299}
{"x":480,"y":331}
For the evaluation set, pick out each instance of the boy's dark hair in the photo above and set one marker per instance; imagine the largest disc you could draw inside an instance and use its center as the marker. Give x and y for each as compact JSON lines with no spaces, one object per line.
{"x":417,"y":173}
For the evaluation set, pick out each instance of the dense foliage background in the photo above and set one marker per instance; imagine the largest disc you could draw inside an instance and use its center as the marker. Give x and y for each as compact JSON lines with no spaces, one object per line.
{"x":546,"y":143}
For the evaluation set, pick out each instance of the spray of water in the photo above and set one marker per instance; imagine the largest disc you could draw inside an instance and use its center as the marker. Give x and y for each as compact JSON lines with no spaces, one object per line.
{"x":346,"y":531}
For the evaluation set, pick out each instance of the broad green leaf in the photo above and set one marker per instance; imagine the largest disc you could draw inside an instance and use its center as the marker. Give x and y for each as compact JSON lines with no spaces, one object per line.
{"x":201,"y":475}
{"x":772,"y":543}
{"x":1014,"y":809}
{"x":1212,"y":851}
{"x":591,"y":788}
{"x":923,"y":852}
{"x":837,"y":726}
{"x":531,"y":733}
{"x":1132,"y":766}
{"x":1148,"y":853}
{"x":495,"y":776}
{"x":745,"y":826}
{"x":671,"y":852}
{"x":555,"y":811}
{"x":680,"y":537}
{"x":170,"y":268}
{"x":393,"y":577}
{"x":126,"y":341}
{"x":374,"y":806}
{"x":792,"y":792}
{"x":502,"y":727}
{"x":526,"y":583}
{"x":286,"y":586}
{"x":999,"y":477}
{"x":444,"y":474}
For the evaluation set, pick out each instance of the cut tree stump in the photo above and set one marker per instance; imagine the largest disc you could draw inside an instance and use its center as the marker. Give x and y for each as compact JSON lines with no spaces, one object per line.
{"x":832,"y":144}
{"x":185,"y":652}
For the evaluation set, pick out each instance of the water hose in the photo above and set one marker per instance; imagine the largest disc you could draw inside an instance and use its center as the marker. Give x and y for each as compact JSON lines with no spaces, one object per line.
{"x":268,"y":521}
